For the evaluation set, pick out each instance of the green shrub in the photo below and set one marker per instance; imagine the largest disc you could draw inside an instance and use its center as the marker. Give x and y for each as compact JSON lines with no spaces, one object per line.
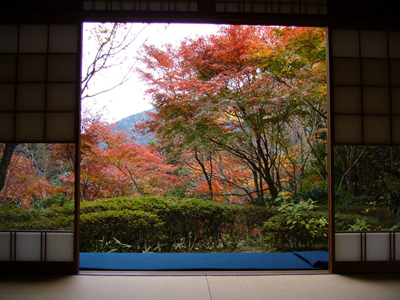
{"x":55,"y":218}
{"x":318,"y":194}
{"x":345,"y":222}
{"x":243,"y":225}
{"x":47,"y":202}
{"x":297,"y":227}
{"x":197,"y":224}
{"x":376,"y":218}
{"x":139,"y":229}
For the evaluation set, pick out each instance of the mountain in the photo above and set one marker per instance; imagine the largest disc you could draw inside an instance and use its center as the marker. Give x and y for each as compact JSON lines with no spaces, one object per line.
{"x":128,"y":125}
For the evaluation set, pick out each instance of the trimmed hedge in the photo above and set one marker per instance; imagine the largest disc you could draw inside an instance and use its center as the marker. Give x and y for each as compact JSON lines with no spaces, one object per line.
{"x":101,"y":231}
{"x":189,"y":224}
{"x":55,"y":218}
{"x":168,"y":224}
{"x":310,"y":233}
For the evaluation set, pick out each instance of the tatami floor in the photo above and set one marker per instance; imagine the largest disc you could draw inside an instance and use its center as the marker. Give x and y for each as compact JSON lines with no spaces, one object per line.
{"x":203,"y":287}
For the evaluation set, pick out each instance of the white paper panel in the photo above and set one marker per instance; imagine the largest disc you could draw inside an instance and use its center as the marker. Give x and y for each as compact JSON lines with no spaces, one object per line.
{"x":396,"y":130}
{"x":347,"y":247}
{"x":192,"y":6}
{"x":116,"y":6}
{"x":100,"y":5}
{"x":59,"y":246}
{"x":374,"y":44}
{"x":62,"y":68}
{"x":348,"y":129}
{"x":397,"y":246}
{"x":5,"y":246}
{"x":61,"y":97}
{"x":7,"y":92}
{"x":377,"y":130}
{"x":31,"y":97}
{"x":32,"y":68}
{"x":87,"y":5}
{"x":60,"y":127}
{"x":375,"y":72}
{"x":347,"y":100}
{"x":257,"y":8}
{"x":345,"y":43}
{"x":287,"y":9}
{"x":378,"y":246}
{"x":376,"y":100}
{"x":230,"y":7}
{"x":130,"y":6}
{"x":188,"y":5}
{"x":153,"y":5}
{"x":63,"y":39}
{"x":219,"y":7}
{"x":395,"y":72}
{"x":8,"y":67}
{"x":394,"y":44}
{"x":33,"y":39}
{"x":124,"y":6}
{"x":346,"y":71}
{"x":312,"y":9}
{"x":150,"y":4}
{"x":6,"y":127}
{"x":8,"y":33}
{"x":29,"y":127}
{"x":275,"y":8}
{"x":28,"y":246}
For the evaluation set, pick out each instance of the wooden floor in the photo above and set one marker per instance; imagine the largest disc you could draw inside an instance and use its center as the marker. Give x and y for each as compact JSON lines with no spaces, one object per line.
{"x":202,"y":287}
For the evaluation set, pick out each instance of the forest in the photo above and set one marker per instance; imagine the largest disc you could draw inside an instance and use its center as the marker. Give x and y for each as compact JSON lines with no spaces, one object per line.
{"x":240,"y":119}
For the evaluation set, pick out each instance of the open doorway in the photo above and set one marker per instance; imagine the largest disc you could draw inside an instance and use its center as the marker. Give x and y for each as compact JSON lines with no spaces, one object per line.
{"x":229,"y":151}
{"x":237,"y":142}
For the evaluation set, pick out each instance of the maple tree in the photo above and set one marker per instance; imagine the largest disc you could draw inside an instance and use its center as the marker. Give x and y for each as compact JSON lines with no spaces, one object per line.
{"x":114,"y":165}
{"x":32,"y":175}
{"x":142,"y":166}
{"x":256,"y":93}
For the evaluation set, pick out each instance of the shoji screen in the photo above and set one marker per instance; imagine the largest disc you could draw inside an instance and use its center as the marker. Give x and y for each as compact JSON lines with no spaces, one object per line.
{"x":366,"y":87}
{"x":141,"y":5}
{"x":38,"y":81}
{"x":39,"y":88}
{"x":308,"y":7}
{"x":365,"y":112}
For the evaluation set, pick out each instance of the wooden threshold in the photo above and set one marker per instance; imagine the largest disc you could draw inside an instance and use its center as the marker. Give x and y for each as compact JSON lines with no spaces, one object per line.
{"x":201,"y":273}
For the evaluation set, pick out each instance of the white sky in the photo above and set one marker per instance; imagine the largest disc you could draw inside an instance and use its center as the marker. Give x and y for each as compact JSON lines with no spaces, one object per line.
{"x":130,"y":98}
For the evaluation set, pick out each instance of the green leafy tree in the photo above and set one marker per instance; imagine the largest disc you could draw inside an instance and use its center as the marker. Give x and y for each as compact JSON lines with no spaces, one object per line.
{"x":257,"y":94}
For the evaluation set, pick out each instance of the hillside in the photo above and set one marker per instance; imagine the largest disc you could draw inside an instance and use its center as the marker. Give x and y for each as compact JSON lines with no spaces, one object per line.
{"x":128,"y":125}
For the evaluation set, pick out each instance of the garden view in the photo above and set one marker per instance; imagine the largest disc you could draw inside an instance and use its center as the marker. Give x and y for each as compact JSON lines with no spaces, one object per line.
{"x":234,"y":159}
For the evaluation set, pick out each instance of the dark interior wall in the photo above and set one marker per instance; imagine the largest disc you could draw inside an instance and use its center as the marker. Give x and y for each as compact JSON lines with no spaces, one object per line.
{"x":344,"y":13}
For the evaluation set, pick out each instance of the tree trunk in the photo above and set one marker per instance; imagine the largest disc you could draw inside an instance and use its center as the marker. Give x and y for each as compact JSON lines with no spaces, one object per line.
{"x":5,"y":162}
{"x":205,"y":173}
